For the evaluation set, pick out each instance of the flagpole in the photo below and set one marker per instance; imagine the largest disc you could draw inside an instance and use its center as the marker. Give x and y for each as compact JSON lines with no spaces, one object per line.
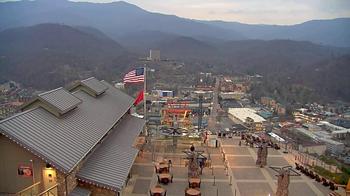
{"x":144,"y":92}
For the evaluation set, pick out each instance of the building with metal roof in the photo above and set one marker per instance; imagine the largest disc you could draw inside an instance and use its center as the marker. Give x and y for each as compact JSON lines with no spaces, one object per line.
{"x":243,"y":113}
{"x":60,"y":99}
{"x":94,"y":85}
{"x":248,"y":117}
{"x":68,"y":135}
{"x":110,"y":164}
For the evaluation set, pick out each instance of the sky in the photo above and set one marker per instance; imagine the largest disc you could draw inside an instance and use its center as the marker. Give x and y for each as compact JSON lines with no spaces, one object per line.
{"x":282,"y":12}
{"x":248,"y":11}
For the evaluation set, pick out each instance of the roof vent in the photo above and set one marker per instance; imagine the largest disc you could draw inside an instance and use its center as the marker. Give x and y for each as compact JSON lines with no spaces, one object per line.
{"x":58,"y":101}
{"x":96,"y":86}
{"x":92,"y":86}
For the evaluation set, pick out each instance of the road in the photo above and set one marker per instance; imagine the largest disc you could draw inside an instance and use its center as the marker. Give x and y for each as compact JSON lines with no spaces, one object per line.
{"x":226,"y":122}
{"x":212,"y":118}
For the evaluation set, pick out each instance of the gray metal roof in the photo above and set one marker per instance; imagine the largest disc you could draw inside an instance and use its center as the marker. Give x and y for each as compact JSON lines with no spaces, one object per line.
{"x":60,"y":99}
{"x":79,"y":191}
{"x":110,"y":164}
{"x":96,"y":86}
{"x":64,"y":141}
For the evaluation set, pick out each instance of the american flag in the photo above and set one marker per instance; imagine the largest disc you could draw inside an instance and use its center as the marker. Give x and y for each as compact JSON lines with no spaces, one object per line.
{"x":135,"y":76}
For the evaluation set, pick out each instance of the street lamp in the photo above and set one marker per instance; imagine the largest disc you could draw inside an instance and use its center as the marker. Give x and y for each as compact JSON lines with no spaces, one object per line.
{"x":32,"y":164}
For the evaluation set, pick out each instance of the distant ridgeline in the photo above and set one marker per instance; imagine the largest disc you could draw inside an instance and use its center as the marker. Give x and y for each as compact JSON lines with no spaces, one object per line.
{"x":38,"y":51}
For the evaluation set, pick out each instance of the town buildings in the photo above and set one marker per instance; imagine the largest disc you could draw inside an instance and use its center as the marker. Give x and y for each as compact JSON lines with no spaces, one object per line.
{"x":272,"y":103}
{"x":313,"y":148}
{"x":301,"y":116}
{"x":234,"y":84}
{"x":70,"y":141}
{"x":154,"y":55}
{"x":248,"y":117}
{"x":163,"y":93}
{"x":231,"y":95}
{"x":12,"y":96}
{"x":332,"y":146}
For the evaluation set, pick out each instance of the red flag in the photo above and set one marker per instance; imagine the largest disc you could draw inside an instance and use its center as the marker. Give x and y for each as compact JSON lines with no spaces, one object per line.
{"x":139,"y":98}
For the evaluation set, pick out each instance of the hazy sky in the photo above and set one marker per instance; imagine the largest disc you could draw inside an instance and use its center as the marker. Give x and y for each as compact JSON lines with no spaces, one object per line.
{"x":248,"y":11}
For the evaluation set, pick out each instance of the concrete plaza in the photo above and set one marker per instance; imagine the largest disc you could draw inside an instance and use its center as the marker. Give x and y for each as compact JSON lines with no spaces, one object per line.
{"x":241,"y":178}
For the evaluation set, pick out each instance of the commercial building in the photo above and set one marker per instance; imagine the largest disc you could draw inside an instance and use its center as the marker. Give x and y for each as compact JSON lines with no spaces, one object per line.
{"x":336,"y":131}
{"x":243,"y":113}
{"x":232,"y":95}
{"x":249,"y":117}
{"x":331,"y":127}
{"x":302,"y":117}
{"x":306,"y":133}
{"x":233,"y":84}
{"x":163,"y":93}
{"x":154,"y":55}
{"x":206,"y":94}
{"x":316,"y":148}
{"x":277,"y":107}
{"x":72,"y":141}
{"x":332,"y":146}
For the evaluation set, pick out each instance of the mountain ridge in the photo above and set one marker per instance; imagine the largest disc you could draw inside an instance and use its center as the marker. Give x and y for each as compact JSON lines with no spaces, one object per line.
{"x":327,"y":32}
{"x":121,"y":18}
{"x":56,"y":54}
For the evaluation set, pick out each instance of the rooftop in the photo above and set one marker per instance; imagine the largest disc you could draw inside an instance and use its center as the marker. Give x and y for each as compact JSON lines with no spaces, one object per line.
{"x":110,"y":164}
{"x":59,"y":100}
{"x":330,"y":141}
{"x":243,"y":113}
{"x":96,"y":86}
{"x":64,"y":141}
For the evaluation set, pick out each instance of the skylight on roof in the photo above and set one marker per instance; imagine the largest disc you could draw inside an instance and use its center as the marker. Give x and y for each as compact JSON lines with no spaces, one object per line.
{"x":60,"y":100}
{"x":94,"y":85}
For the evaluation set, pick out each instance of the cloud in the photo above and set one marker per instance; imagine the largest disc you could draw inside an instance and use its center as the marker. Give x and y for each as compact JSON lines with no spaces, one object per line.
{"x":249,"y":11}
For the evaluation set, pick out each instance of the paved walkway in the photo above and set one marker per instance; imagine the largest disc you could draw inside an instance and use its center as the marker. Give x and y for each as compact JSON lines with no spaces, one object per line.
{"x":252,"y":180}
{"x":238,"y":176}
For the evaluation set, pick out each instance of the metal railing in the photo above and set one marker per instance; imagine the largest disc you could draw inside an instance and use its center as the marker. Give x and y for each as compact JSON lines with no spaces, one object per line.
{"x":34,"y":189}
{"x":52,"y":191}
{"x":30,"y":191}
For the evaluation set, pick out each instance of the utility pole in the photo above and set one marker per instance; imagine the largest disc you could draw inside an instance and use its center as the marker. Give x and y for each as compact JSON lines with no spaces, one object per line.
{"x":200,"y":112}
{"x":144,"y":92}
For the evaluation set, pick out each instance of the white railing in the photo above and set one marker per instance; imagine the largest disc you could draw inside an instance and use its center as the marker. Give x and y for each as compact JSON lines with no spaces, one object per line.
{"x":30,"y":191}
{"x":34,"y":189}
{"x":52,"y":191}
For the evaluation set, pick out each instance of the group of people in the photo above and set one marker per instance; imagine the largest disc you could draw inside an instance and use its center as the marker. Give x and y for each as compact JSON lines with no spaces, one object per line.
{"x":262,"y":146}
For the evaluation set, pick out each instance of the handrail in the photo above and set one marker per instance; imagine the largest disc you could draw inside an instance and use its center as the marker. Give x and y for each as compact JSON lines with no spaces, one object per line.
{"x":29,"y":187}
{"x":47,"y":190}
